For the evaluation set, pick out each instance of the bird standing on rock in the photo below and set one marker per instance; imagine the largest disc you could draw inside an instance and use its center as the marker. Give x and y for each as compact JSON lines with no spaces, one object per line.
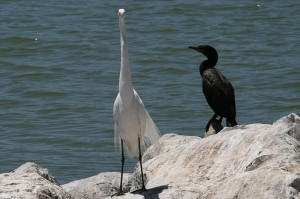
{"x":217,"y":90}
{"x":133,"y":124}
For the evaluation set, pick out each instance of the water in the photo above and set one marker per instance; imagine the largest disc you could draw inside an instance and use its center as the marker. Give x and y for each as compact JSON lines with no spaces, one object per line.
{"x":60,"y":61}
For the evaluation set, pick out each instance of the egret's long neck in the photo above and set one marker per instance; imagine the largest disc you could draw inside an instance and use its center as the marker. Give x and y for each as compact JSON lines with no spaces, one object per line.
{"x":125,"y":84}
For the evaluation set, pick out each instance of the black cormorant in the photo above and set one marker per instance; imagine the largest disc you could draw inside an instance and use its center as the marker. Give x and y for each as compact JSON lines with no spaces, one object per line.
{"x":218,"y":91}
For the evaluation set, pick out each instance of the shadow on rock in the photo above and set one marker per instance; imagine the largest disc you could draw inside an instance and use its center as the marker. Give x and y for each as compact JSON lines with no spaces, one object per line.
{"x":151,"y":193}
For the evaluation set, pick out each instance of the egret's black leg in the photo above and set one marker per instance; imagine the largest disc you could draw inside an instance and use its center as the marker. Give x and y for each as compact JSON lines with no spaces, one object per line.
{"x":122,"y":168}
{"x":120,"y":192}
{"x":140,"y":158}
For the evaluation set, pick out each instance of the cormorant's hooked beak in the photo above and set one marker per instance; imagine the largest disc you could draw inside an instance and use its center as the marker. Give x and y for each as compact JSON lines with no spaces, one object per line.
{"x":198,"y":48}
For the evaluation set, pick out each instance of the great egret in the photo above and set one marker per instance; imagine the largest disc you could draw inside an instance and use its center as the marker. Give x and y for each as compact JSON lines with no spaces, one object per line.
{"x":133,"y":124}
{"x":218,"y":91}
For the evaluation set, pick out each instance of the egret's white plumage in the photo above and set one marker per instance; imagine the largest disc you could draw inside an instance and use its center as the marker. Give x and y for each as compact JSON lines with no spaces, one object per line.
{"x":133,"y":124}
{"x":132,"y":120}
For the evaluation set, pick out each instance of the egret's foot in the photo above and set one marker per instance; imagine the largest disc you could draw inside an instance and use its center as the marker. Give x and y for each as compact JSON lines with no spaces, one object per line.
{"x":143,"y":189}
{"x":119,"y":193}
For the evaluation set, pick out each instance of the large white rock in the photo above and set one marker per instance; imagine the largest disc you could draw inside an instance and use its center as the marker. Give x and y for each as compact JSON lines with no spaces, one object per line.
{"x":247,"y":161}
{"x":30,"y":181}
{"x":99,"y":186}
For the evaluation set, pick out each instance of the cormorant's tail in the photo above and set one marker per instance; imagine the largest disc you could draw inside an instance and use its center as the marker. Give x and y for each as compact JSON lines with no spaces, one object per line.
{"x":231,"y":123}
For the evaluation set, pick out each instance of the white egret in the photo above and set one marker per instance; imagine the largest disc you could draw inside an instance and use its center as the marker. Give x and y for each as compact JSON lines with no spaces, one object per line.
{"x":133,"y":124}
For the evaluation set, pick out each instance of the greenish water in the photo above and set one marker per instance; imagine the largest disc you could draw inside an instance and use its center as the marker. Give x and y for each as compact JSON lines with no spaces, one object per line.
{"x":60,"y":61}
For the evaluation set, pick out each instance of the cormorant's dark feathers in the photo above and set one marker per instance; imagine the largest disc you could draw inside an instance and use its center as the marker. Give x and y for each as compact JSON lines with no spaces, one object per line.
{"x":218,"y":91}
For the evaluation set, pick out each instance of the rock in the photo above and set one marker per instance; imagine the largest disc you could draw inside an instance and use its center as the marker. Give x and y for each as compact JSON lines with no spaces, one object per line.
{"x":246,"y":161}
{"x":99,"y":186}
{"x":30,"y":181}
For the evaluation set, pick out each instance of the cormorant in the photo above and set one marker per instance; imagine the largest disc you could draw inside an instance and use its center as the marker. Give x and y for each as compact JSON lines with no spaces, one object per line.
{"x":214,"y":126}
{"x":217,"y":90}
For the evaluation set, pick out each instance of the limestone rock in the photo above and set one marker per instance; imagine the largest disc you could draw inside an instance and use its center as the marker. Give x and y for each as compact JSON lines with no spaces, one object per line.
{"x":30,"y":181}
{"x":99,"y":186}
{"x":246,"y":161}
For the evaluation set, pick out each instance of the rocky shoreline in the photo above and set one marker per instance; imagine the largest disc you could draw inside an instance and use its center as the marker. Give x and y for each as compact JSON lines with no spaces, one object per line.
{"x":247,"y":161}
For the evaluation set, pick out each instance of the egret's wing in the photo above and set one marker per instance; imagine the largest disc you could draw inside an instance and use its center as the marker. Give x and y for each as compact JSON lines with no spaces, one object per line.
{"x":116,"y":109}
{"x":150,"y":131}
